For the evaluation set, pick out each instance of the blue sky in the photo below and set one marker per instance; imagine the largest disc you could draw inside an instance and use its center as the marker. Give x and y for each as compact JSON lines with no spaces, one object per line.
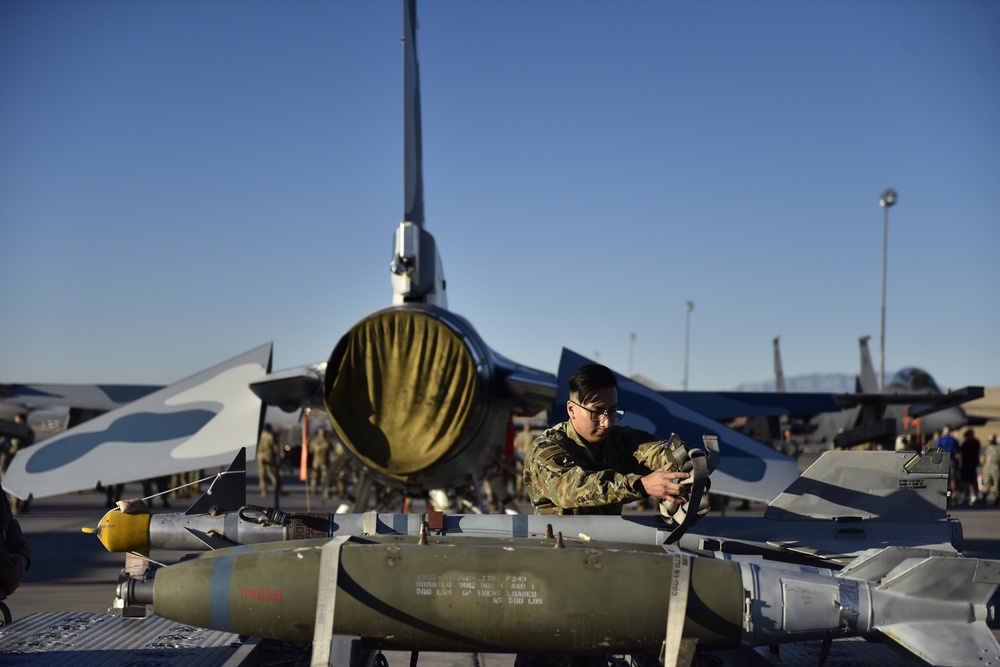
{"x":181,"y":181}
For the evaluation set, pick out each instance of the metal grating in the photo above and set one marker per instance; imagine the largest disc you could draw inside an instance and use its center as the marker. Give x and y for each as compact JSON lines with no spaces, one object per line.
{"x":81,"y":639}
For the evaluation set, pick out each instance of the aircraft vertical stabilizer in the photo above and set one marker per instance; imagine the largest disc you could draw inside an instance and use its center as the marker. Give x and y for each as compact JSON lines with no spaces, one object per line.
{"x":779,"y":373}
{"x":417,"y":272}
{"x":868,"y":380}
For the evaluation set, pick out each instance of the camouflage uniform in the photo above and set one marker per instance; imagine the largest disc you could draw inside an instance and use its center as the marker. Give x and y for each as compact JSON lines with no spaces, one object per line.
{"x":267,"y":462}
{"x":564,"y":474}
{"x":991,"y":471}
{"x":319,"y":450}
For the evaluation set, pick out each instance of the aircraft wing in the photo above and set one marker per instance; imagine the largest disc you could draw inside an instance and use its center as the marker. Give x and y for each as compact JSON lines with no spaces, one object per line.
{"x":292,"y":389}
{"x":731,"y":404}
{"x":529,"y":389}
{"x":86,"y":396}
{"x":198,"y":422}
{"x":921,"y":403}
{"x":747,"y":469}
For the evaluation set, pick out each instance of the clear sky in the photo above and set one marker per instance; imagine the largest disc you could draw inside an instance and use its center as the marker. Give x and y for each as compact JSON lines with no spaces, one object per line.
{"x":181,"y":181}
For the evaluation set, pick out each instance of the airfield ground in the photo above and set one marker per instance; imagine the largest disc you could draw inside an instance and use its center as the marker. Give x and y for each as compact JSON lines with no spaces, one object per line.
{"x":72,"y":572}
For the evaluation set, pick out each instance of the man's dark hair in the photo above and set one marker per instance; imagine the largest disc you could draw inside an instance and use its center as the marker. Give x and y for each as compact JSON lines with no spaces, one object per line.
{"x":590,"y":379}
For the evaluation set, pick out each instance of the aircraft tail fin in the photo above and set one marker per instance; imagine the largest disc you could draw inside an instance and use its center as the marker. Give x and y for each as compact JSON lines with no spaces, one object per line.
{"x":867,"y":485}
{"x":417,"y":274}
{"x":779,"y":373}
{"x":955,"y":636}
{"x":970,"y":580}
{"x":868,"y":380}
{"x":413,"y":141}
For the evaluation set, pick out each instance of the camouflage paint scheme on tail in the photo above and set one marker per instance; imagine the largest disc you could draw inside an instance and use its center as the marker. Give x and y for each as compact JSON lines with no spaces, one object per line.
{"x":199,"y":422}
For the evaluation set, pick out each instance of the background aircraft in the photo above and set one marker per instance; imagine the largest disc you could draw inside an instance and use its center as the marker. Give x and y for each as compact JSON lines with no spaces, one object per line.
{"x":911,"y":404}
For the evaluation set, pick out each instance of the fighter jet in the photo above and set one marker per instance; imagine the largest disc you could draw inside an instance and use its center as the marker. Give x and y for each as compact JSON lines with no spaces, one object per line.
{"x":911,"y":404}
{"x":422,"y":402}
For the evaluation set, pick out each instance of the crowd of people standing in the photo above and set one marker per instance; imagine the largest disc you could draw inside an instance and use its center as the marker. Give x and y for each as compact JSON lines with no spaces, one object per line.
{"x":975,"y":469}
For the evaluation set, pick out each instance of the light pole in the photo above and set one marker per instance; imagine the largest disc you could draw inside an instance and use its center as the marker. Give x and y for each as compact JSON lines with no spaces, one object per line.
{"x":631,"y":344}
{"x":888,"y":199}
{"x":689,"y":306}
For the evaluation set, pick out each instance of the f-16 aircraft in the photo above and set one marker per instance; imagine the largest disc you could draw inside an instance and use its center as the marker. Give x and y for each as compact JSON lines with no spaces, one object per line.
{"x":420,"y":400}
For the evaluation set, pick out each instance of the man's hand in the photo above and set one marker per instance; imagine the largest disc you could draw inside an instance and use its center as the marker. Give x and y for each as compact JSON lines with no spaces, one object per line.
{"x":665,"y":485}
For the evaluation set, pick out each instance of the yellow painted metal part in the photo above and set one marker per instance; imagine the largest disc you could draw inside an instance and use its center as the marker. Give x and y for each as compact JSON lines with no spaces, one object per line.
{"x":121,"y":533}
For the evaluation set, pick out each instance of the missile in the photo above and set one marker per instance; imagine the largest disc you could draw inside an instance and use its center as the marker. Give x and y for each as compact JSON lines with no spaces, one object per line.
{"x":847,"y":503}
{"x":551,"y":595}
{"x":811,"y":541}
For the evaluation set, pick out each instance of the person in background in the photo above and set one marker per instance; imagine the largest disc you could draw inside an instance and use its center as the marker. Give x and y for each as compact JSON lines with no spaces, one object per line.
{"x":268,"y":461}
{"x":990,"y":460}
{"x":947,"y":443}
{"x":319,"y":473}
{"x":969,"y":456}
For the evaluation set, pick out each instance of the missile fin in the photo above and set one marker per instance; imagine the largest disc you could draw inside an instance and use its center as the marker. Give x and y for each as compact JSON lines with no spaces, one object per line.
{"x":228,"y":491}
{"x":874,"y":565}
{"x":953,"y":644}
{"x":953,"y":580}
{"x":213,"y":542}
{"x":959,"y":636}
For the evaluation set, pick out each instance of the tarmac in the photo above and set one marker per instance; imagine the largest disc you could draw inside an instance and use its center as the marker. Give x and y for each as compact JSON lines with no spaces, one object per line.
{"x":72,"y":572}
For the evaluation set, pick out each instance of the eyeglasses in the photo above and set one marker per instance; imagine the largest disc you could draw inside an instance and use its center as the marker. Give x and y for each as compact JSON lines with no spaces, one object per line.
{"x":595,"y":415}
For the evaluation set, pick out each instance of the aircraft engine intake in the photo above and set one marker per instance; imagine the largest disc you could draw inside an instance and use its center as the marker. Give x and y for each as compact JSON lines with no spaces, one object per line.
{"x":409,"y":389}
